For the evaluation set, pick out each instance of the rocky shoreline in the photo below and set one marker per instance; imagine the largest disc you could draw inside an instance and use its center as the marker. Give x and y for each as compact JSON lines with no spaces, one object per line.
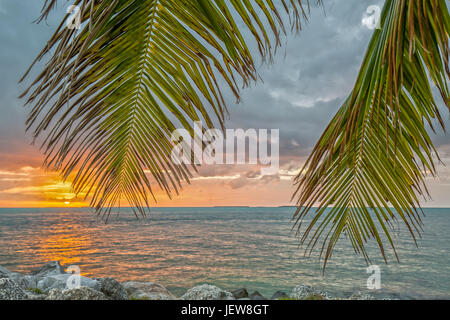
{"x":50,"y":282}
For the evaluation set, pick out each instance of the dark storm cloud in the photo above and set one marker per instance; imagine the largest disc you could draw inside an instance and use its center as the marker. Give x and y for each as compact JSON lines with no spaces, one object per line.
{"x":304,"y":88}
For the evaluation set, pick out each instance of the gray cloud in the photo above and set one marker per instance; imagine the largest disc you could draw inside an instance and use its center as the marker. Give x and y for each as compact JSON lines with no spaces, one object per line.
{"x":308,"y":81}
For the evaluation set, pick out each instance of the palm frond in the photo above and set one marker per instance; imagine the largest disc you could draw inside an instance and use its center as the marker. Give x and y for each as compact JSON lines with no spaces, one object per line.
{"x":111,"y":93}
{"x":368,"y":169}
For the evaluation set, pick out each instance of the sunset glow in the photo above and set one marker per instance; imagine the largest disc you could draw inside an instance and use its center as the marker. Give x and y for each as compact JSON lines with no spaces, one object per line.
{"x":31,"y":186}
{"x":293,"y":98}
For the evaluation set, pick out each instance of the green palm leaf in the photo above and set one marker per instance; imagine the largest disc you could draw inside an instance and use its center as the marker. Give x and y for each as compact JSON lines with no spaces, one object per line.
{"x":111,"y":94}
{"x":369,"y":166}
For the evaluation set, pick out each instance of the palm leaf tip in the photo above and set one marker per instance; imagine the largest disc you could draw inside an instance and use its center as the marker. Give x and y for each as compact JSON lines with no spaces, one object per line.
{"x":112,"y":92}
{"x":369,"y":167}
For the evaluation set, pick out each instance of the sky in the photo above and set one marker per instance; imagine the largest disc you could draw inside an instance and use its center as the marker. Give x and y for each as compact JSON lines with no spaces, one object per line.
{"x":301,"y":90}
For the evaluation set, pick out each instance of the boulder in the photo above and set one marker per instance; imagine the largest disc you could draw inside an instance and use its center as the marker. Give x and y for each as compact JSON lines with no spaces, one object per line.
{"x":324,"y":295}
{"x":49,"y":269}
{"x":361,"y":296}
{"x":82,"y":293}
{"x":10,"y":290}
{"x":112,"y":288}
{"x":240,"y":293}
{"x":60,"y":282}
{"x":26,"y":282}
{"x":34,"y":295}
{"x":301,"y":292}
{"x":257,"y":296}
{"x":147,"y":291}
{"x":207,"y":292}
{"x":4,"y":273}
{"x":279,"y":295}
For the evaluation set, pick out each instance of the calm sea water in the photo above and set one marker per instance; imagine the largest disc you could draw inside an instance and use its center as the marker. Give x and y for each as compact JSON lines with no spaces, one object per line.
{"x":227,"y":247}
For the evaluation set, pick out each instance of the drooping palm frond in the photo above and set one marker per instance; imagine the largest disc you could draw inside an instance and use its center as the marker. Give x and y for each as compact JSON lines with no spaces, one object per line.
{"x":108,"y":98}
{"x":368,"y":168}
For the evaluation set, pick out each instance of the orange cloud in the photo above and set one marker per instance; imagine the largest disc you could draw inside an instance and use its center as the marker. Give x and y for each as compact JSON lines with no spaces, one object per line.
{"x":33,"y":187}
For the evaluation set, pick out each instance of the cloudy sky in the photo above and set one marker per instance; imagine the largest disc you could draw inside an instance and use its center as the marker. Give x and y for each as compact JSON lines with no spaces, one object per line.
{"x":305,"y":85}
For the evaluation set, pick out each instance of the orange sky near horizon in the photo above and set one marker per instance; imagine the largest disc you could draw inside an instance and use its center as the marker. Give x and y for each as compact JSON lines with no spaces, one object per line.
{"x":24,"y":184}
{"x":28,"y":187}
{"x":33,"y":187}
{"x":301,"y":91}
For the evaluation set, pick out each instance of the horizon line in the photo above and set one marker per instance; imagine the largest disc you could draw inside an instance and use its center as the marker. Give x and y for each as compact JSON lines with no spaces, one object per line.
{"x":215,"y":206}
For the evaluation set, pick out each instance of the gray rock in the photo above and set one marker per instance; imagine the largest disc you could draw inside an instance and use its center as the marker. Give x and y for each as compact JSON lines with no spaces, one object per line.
{"x":10,"y":290}
{"x":308,"y":292}
{"x":257,"y":296}
{"x":244,"y":299}
{"x":82,"y":293}
{"x":361,"y":296}
{"x":49,"y":269}
{"x":46,"y":284}
{"x":301,"y":292}
{"x":147,"y":291}
{"x":240,"y":293}
{"x":60,"y":282}
{"x":207,"y":292}
{"x":24,"y":281}
{"x":279,"y":295}
{"x":4,"y":273}
{"x":36,"y":296}
{"x":112,"y":288}
{"x":324,"y":295}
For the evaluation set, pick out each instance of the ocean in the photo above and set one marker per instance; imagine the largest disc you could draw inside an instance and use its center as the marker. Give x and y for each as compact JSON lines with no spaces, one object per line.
{"x":230,"y":247}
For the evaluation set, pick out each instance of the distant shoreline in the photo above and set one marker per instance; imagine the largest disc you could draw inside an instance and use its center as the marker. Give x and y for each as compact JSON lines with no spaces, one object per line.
{"x":187,"y":207}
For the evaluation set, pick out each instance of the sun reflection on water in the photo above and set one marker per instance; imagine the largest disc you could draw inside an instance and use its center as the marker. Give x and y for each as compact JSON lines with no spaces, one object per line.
{"x":229,"y":247}
{"x":65,"y":240}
